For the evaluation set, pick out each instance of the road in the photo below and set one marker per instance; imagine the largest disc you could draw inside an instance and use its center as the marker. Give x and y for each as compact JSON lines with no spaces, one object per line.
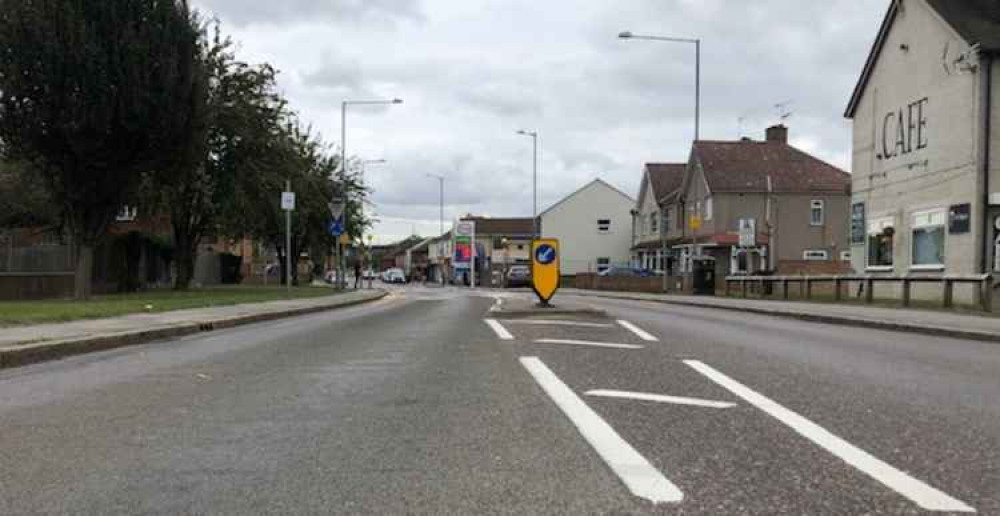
{"x":418,"y":404}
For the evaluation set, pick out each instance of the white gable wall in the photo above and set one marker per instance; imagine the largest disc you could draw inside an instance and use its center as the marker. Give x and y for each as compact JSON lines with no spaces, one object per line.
{"x":574,"y":222}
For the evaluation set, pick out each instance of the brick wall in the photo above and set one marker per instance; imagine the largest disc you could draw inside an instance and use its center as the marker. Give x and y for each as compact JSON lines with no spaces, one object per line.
{"x":595,"y":282}
{"x":813,"y":268}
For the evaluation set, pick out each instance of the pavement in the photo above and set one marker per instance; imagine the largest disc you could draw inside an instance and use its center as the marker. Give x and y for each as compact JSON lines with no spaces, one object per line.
{"x":927,"y":322}
{"x":21,"y":345}
{"x":423,"y":402}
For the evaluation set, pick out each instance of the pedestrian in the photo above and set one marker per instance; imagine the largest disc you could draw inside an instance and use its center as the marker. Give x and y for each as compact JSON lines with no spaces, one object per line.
{"x":357,"y":274}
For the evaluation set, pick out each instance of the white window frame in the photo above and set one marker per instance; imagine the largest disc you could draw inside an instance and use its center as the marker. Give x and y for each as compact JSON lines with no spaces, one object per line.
{"x":816,"y":255}
{"x":654,"y":222}
{"x":817,"y":204}
{"x":604,"y":229}
{"x":601,"y":267}
{"x":708,"y":209}
{"x":845,"y":256}
{"x":127,"y":214}
{"x":734,"y":261}
{"x":933,"y":218}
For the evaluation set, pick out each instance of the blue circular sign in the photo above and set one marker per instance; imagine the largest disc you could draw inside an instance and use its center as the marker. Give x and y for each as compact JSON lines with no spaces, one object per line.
{"x":545,"y":254}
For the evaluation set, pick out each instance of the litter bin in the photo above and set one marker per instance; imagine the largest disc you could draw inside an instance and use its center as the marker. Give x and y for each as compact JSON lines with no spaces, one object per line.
{"x":703,"y":275}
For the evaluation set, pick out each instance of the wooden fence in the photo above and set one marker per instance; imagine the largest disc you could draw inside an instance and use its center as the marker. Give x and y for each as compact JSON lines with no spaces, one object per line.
{"x":806,"y":285}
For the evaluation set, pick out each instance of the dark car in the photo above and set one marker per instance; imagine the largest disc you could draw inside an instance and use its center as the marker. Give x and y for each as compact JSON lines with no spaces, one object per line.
{"x":519,"y":276}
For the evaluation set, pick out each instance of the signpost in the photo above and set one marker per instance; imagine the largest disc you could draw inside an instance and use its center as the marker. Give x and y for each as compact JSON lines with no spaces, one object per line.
{"x":337,"y":208}
{"x":545,"y":268}
{"x":288,"y":204}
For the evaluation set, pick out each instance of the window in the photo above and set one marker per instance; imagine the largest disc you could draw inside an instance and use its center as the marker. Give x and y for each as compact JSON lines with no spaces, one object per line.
{"x":815,"y":255}
{"x":666,"y":219}
{"x":928,"y":239}
{"x":653,"y":226}
{"x":603,"y":264}
{"x":708,"y":208}
{"x":816,"y":215}
{"x":127,"y":214}
{"x":739,"y":261}
{"x":499,"y":242}
{"x":845,"y":256}
{"x":880,"y":243}
{"x":603,"y":225}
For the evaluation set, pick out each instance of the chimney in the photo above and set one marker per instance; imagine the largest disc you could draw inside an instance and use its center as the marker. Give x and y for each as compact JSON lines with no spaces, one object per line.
{"x":777,"y":133}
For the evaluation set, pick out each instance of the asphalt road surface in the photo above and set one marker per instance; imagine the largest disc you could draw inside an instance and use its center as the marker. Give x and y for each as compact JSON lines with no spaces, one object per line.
{"x":422,"y":403}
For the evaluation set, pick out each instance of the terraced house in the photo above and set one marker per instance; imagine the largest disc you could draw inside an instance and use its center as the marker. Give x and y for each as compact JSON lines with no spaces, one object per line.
{"x":743,"y":207}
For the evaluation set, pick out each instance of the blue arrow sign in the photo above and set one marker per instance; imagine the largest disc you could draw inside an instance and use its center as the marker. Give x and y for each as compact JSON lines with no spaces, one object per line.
{"x":545,"y":254}
{"x":337,"y":227}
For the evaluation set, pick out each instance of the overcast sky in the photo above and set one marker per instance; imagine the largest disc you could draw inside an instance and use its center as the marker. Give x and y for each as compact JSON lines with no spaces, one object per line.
{"x":472,"y":72}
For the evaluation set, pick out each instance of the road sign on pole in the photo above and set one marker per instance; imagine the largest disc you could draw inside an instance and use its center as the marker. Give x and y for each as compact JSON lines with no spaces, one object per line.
{"x":337,"y":226}
{"x":288,"y":201}
{"x":545,"y":268}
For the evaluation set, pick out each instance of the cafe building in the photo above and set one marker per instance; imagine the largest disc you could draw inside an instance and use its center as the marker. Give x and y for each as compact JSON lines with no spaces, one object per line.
{"x":926,"y":142}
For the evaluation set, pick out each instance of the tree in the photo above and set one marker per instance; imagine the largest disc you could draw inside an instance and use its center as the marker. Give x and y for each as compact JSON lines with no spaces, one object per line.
{"x":24,"y":198}
{"x":95,"y":94}
{"x":237,"y":127}
{"x":301,"y":158}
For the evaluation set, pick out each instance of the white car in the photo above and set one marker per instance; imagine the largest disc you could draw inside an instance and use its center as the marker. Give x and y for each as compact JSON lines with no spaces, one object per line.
{"x":394,"y":275}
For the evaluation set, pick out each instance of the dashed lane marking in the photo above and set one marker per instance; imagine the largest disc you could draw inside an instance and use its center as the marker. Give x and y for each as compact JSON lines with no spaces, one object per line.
{"x":638,"y":331}
{"x":640,"y":477}
{"x":553,"y":322}
{"x":660,"y":398}
{"x":925,"y":496}
{"x":572,"y":342}
{"x":499,"y":329}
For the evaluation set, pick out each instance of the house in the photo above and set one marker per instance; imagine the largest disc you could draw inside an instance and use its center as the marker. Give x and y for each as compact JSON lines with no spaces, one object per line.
{"x":791,"y":207}
{"x":741,"y":207}
{"x":439,"y":258}
{"x":593,"y":225}
{"x":926,"y":142}
{"x":415,"y":260}
{"x":658,"y":192}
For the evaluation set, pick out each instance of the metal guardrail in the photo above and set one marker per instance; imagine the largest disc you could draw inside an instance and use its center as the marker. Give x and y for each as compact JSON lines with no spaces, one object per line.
{"x":985,"y":283}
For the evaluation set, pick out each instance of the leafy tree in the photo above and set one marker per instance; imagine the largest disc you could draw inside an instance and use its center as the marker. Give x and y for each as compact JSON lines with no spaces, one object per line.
{"x":95,"y":94}
{"x":24,"y":198}
{"x":239,"y":128}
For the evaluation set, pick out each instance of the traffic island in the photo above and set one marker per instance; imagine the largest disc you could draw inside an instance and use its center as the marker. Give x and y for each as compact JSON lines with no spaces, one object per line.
{"x":519,"y":308}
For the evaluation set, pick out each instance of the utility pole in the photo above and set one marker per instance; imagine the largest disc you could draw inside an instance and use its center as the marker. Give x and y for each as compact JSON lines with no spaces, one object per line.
{"x":288,"y":243}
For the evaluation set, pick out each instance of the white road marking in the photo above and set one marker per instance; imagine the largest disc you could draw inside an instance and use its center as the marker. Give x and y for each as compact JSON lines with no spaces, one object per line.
{"x":499,"y":329}
{"x":918,"y":492}
{"x":660,"y":398}
{"x":588,"y":343}
{"x":552,"y":322}
{"x":638,"y":331}
{"x":497,"y":304}
{"x":639,"y":476}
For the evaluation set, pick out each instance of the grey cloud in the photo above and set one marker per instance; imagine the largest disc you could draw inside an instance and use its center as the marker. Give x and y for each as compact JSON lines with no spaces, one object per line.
{"x":277,"y":12}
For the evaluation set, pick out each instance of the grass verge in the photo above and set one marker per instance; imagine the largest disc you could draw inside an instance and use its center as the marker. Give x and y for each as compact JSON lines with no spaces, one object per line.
{"x":14,"y":313}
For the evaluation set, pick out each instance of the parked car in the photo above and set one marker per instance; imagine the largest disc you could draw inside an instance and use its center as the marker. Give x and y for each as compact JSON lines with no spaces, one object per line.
{"x":394,"y":275}
{"x":368,"y":274}
{"x":518,"y":276}
{"x":625,"y":272}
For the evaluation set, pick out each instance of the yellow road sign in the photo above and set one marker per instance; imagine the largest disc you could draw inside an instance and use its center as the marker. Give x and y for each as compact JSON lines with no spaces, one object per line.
{"x":545,"y":268}
{"x":695,"y":223}
{"x":345,"y":239}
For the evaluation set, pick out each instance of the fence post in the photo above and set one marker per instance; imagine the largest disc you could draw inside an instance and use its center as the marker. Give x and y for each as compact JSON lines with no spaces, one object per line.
{"x":728,"y":282}
{"x":743,"y":285}
{"x":837,"y":288}
{"x":986,"y":293}
{"x":762,"y":289}
{"x":809,"y":288}
{"x":802,"y":287}
{"x":906,"y":291}
{"x":784,"y":288}
{"x":869,"y":290}
{"x":949,"y":293}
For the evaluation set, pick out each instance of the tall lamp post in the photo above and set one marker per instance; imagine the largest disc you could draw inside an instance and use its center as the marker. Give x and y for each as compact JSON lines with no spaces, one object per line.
{"x":440,"y":179}
{"x":697,"y":69}
{"x":364,"y":179}
{"x":534,"y":180}
{"x":697,"y":116}
{"x":343,"y":165}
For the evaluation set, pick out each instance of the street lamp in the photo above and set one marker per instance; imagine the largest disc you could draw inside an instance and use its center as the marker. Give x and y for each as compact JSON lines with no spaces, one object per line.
{"x":697,"y":117}
{"x":343,"y":161}
{"x":534,"y":218}
{"x":697,"y":70}
{"x":441,"y":259}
